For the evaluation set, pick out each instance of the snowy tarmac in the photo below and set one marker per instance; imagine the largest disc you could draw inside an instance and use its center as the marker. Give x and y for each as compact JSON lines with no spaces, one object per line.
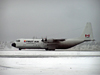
{"x":49,"y":62}
{"x":41,"y":54}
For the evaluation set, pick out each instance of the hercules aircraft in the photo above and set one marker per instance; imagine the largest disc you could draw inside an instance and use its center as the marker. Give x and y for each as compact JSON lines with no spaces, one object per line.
{"x":52,"y":44}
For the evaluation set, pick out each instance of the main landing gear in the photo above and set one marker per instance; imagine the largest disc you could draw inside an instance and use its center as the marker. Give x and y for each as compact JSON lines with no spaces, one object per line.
{"x":50,"y":49}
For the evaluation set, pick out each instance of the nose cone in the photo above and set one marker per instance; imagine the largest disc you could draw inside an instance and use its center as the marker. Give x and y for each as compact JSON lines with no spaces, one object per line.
{"x":13,"y":44}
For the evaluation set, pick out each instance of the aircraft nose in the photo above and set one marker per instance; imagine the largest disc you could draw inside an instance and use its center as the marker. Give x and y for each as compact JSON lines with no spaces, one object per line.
{"x":13,"y":44}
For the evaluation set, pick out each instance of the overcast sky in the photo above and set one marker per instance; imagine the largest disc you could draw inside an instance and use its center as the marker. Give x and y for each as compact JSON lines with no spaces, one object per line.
{"x":48,"y":18}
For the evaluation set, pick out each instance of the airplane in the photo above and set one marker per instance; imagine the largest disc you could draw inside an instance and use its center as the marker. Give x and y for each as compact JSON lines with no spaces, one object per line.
{"x":52,"y":44}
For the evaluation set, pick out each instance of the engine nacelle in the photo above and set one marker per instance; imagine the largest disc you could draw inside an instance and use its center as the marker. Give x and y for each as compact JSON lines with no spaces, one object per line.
{"x":47,"y":40}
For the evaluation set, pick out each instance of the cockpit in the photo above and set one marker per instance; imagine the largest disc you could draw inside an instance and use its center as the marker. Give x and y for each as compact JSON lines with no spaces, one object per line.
{"x":14,"y":44}
{"x":17,"y":40}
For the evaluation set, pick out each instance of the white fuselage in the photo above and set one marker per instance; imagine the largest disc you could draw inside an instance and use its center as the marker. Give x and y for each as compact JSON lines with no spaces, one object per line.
{"x":38,"y":44}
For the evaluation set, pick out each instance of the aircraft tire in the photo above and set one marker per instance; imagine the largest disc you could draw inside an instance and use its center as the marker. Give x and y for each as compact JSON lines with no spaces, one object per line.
{"x":19,"y":48}
{"x":49,"y":49}
{"x":46,"y":49}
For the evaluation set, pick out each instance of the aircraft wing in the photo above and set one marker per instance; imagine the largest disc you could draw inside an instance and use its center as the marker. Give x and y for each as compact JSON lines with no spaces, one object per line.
{"x":52,"y":40}
{"x":58,"y":40}
{"x":52,"y":43}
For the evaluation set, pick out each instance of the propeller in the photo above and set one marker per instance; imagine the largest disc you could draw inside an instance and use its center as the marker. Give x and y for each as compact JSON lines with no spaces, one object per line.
{"x":44,"y":39}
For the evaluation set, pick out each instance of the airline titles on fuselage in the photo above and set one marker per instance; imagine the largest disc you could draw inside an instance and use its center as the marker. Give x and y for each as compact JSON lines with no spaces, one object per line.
{"x":30,"y":41}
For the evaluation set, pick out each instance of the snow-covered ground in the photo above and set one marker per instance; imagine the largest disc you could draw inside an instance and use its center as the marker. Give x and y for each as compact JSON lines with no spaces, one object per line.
{"x":41,"y":62}
{"x":34,"y":54}
{"x":50,"y":66}
{"x":49,"y":62}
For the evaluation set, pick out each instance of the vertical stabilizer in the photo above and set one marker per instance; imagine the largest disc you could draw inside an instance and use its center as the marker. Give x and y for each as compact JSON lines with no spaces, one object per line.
{"x":87,"y":34}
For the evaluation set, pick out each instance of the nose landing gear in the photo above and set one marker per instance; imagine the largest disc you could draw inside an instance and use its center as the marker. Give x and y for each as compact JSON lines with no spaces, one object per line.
{"x":20,"y":49}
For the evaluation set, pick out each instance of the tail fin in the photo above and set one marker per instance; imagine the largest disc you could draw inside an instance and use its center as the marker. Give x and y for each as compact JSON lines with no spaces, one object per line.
{"x":87,"y":34}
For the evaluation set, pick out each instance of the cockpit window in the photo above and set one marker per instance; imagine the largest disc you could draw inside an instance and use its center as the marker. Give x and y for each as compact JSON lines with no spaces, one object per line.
{"x":17,"y":40}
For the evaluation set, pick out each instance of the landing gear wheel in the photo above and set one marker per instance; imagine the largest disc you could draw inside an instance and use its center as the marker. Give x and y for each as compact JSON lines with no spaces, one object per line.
{"x":49,"y":49}
{"x":19,"y":48}
{"x":46,"y":49}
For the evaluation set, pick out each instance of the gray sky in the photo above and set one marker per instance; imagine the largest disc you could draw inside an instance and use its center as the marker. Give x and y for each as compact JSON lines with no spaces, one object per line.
{"x":51,"y":18}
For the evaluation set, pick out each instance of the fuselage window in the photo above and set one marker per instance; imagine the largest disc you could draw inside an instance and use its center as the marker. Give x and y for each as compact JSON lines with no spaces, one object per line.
{"x":17,"y":40}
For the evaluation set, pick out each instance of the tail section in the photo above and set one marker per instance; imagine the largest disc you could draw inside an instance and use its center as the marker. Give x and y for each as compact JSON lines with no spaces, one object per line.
{"x":87,"y":34}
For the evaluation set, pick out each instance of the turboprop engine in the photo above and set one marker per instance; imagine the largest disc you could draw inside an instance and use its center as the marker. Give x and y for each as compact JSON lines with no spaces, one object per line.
{"x":47,"y":40}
